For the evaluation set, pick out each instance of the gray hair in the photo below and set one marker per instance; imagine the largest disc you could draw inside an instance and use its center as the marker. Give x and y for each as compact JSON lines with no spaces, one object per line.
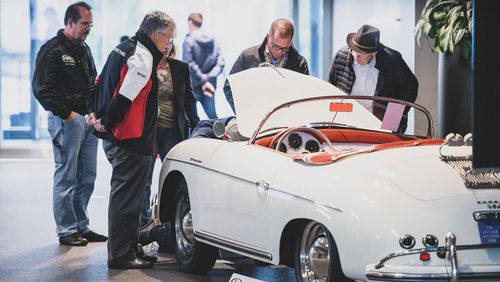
{"x":155,"y":21}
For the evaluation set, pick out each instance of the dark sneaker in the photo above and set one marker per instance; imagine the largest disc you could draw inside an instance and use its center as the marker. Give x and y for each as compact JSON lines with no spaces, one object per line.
{"x":139,"y":252}
{"x":133,"y":264}
{"x":74,"y":239}
{"x":91,"y":236}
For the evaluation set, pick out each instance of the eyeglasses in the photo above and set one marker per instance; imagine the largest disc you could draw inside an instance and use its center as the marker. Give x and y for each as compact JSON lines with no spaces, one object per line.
{"x":86,"y":24}
{"x":278,"y":48}
{"x":170,"y":39}
{"x":363,"y":56}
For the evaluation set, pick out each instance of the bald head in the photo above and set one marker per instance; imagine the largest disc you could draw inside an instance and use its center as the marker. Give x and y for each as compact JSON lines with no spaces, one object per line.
{"x":281,"y":28}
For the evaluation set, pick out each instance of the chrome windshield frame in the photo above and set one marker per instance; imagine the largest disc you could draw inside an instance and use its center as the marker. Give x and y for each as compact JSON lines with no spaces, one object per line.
{"x":430,"y":128}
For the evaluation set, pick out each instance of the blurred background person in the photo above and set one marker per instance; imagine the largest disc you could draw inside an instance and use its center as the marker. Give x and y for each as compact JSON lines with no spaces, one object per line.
{"x":205,"y":60}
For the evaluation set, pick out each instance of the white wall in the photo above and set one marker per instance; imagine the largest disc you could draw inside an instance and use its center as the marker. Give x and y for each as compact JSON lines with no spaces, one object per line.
{"x":394,"y":18}
{"x":235,"y":24}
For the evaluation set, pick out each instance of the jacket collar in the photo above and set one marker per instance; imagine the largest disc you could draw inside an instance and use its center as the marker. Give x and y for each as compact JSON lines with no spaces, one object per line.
{"x":146,"y":41}
{"x":77,"y":47}
{"x":292,"y":54}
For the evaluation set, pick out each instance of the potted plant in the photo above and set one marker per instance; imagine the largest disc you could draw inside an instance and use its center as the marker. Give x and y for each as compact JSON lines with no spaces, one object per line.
{"x":447,"y":26}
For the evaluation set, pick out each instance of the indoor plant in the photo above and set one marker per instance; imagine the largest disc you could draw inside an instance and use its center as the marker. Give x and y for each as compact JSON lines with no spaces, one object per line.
{"x":449,"y":24}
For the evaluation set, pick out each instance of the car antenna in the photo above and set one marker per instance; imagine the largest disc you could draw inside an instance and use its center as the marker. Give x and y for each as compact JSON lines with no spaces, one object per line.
{"x":266,"y":64}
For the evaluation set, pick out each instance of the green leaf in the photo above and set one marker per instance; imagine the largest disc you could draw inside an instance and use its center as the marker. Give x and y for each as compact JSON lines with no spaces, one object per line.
{"x":449,"y":23}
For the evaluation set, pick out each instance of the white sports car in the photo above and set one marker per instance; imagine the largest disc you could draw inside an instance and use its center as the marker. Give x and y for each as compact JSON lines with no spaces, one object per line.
{"x":338,"y":187}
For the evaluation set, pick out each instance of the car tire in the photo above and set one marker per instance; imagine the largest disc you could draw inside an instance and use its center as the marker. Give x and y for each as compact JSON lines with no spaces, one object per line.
{"x":192,"y":256}
{"x":316,"y":256}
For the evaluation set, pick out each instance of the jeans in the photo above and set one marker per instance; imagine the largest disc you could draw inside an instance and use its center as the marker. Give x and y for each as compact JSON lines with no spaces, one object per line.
{"x":75,"y":157}
{"x":208,"y":103}
{"x":166,"y":139}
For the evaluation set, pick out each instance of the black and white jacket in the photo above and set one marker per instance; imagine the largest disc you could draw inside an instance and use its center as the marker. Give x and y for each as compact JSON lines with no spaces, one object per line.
{"x":126,"y":99}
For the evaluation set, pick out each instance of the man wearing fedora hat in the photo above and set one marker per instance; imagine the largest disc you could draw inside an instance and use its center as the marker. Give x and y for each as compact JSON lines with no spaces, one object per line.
{"x":367,"y":67}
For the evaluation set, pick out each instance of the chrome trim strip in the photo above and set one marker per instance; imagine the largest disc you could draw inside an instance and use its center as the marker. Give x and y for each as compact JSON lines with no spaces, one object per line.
{"x":257,"y":183}
{"x":399,"y":276}
{"x":430,"y":128}
{"x":233,"y":246}
{"x":381,"y":262}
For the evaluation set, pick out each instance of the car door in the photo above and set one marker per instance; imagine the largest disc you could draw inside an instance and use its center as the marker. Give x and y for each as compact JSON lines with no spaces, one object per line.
{"x":233,"y":201}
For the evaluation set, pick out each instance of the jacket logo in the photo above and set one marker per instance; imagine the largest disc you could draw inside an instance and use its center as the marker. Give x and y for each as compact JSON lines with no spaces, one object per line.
{"x":119,"y":52}
{"x":68,"y":60}
{"x":141,"y":75}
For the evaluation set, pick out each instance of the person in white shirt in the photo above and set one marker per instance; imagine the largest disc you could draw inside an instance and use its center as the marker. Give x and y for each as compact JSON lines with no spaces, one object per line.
{"x":367,"y":67}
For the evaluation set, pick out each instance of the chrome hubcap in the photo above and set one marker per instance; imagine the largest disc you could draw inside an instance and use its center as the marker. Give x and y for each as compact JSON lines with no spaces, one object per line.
{"x":314,"y":253}
{"x":184,"y":235}
{"x":187,"y":227}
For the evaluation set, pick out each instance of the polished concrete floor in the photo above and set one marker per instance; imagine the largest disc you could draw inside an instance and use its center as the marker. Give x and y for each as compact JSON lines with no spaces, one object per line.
{"x":29,"y":249}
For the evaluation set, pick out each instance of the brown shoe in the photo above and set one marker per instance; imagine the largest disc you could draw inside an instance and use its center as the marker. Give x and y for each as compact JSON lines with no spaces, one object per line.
{"x":144,"y":234}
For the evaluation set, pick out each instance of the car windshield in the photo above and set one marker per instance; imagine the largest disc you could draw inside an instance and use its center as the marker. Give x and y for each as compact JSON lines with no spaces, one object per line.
{"x":351,"y":112}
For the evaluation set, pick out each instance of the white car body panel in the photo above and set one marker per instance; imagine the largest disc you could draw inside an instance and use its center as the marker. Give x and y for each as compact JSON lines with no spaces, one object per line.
{"x":245,"y":194}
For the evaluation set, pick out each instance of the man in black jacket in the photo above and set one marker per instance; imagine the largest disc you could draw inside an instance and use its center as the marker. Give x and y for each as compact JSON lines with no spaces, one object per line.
{"x":125,"y":113}
{"x":367,"y":67}
{"x":276,"y":49}
{"x":63,"y":80}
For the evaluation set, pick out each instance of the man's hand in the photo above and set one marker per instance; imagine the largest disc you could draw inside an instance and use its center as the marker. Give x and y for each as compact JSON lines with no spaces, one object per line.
{"x":208,"y":89}
{"x":98,"y":125}
{"x":71,"y":117}
{"x":90,"y":118}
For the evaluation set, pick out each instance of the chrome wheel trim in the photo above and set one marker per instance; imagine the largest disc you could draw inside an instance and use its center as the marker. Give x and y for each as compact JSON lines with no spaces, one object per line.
{"x":314,"y":253}
{"x":184,"y":236}
{"x":187,"y":227}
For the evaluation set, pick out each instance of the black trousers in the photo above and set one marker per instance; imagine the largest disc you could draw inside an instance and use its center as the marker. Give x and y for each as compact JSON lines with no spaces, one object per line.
{"x":128,"y":184}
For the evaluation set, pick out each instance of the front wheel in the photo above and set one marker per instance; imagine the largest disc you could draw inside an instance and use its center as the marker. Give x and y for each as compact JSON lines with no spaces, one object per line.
{"x":316,"y":257}
{"x":192,"y":256}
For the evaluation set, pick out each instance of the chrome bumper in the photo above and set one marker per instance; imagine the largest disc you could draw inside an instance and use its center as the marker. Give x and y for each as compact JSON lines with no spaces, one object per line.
{"x":450,"y":249}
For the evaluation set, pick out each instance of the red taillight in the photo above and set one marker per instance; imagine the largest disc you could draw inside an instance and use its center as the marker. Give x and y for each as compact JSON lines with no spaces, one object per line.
{"x":425,"y":256}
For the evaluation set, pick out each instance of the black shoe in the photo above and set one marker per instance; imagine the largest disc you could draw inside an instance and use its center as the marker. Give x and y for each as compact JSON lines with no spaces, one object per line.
{"x":139,"y":252}
{"x":74,"y":239}
{"x":144,"y":234}
{"x":133,"y":264}
{"x":91,"y":236}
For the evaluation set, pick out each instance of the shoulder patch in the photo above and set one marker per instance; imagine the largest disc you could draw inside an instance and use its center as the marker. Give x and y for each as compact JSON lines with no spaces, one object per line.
{"x":68,"y":60}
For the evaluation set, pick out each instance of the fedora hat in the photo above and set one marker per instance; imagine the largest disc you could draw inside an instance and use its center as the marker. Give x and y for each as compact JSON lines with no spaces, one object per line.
{"x":365,"y":40}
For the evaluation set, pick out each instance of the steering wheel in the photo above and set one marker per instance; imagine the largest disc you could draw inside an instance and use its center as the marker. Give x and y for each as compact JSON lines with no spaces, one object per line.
{"x":292,"y":140}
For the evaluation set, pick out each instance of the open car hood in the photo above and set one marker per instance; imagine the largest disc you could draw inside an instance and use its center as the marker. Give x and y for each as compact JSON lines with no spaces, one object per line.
{"x":257,"y":91}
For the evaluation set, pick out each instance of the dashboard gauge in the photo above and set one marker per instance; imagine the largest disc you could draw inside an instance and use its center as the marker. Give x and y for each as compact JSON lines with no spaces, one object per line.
{"x":294,"y":141}
{"x":312,"y":146}
{"x":282,"y":148}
